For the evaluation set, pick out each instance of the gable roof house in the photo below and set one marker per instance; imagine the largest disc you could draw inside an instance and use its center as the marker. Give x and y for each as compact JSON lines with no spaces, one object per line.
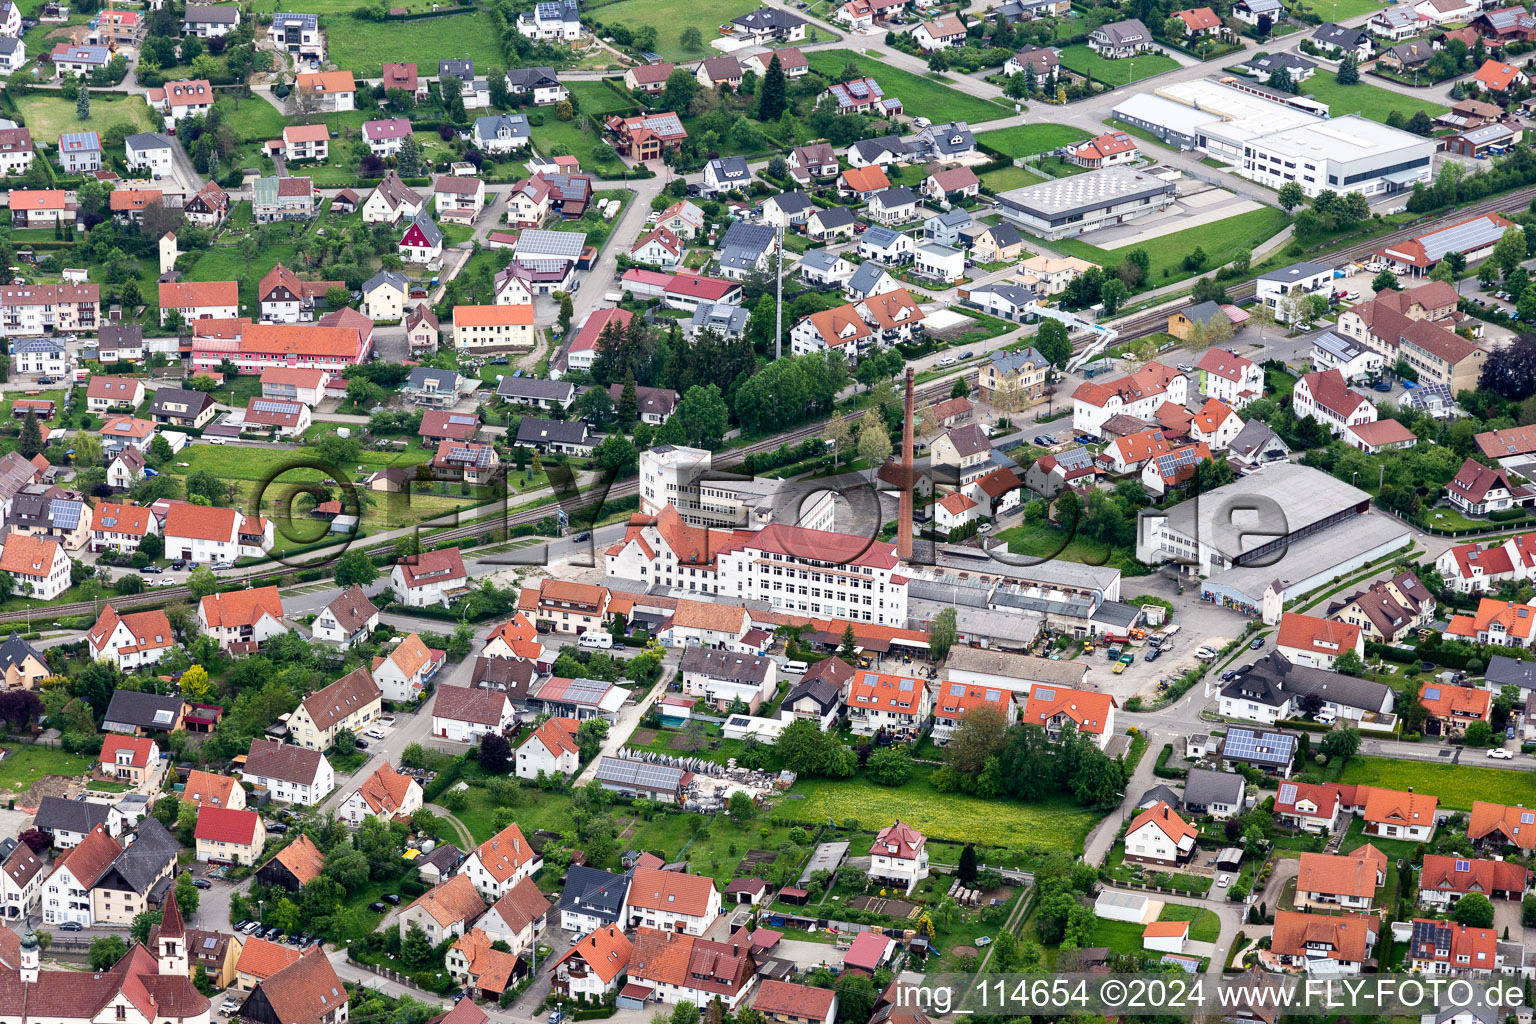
{"x":500,"y":862}
{"x":294,"y":866}
{"x":673,"y":967}
{"x":1348,"y":880}
{"x":289,"y":773}
{"x":595,"y":964}
{"x":1325,"y":943}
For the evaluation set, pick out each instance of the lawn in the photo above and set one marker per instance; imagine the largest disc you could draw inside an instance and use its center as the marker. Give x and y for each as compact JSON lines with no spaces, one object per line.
{"x":596,"y":156}
{"x":25,"y":763}
{"x":1029,"y":139}
{"x":1366,"y":100}
{"x":1205,"y":926}
{"x":49,"y":116}
{"x":599,"y":98}
{"x":224,"y":263}
{"x":1240,"y":233}
{"x":1455,"y":785}
{"x":253,"y":119}
{"x":1049,"y":542}
{"x":937,"y":101}
{"x":1333,"y":10}
{"x":1114,"y":72}
{"x":1005,"y":178}
{"x":1055,"y":825}
{"x":363,"y":46}
{"x":670,"y":19}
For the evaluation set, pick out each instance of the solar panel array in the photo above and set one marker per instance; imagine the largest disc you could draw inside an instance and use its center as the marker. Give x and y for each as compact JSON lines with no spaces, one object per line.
{"x":272,"y":405}
{"x":637,"y":773}
{"x":1431,"y":693}
{"x":1271,"y":747}
{"x":1288,"y":793}
{"x":66,"y":514}
{"x":478,"y":457}
{"x":1044,"y":694}
{"x":462,"y":421}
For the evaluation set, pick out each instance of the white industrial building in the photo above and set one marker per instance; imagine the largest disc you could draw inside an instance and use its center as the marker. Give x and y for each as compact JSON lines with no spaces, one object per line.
{"x":1084,"y":202}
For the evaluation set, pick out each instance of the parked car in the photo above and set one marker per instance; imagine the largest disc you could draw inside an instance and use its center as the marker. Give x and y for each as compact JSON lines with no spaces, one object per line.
{"x":151,"y":570}
{"x":178,"y":563}
{"x":222,"y":566}
{"x":1258,"y":642}
{"x":377,"y":907}
{"x":1501,"y":754}
{"x":392,"y":898}
{"x":202,"y":883}
{"x":71,"y":926}
{"x":1152,"y":654}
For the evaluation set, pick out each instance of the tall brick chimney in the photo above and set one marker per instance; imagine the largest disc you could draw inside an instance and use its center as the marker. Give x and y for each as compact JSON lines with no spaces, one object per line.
{"x":906,"y":511}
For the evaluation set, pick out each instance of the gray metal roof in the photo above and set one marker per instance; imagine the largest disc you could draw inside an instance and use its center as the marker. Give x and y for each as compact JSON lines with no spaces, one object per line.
{"x":145,"y":710}
{"x":143,"y":860}
{"x":147,"y":140}
{"x":1204,"y":787}
{"x":57,"y":814}
{"x":1259,"y":746}
{"x":534,"y":389}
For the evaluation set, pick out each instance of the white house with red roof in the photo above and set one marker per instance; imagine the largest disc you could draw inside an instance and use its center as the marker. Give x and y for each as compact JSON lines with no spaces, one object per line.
{"x":1316,"y":642}
{"x":940,"y":34}
{"x":130,"y":641}
{"x":39,"y":566}
{"x":550,"y":750}
{"x":1478,"y":490}
{"x":242,"y":616}
{"x":1159,"y":836}
{"x":127,"y":758}
{"x":659,"y":248}
{"x":899,"y":857}
{"x":1473,"y":568}
{"x":594,"y":965}
{"x":1229,"y":378}
{"x":882,"y":703}
{"x":500,"y":862}
{"x":429,"y":578}
{"x":1313,"y":807}
{"x":1324,"y":395}
{"x":956,"y":700}
{"x":583,"y":350}
{"x":1108,"y":150}
{"x":204,"y":533}
{"x":120,"y":526}
{"x":1375,"y":438}
{"x":518,"y":639}
{"x":228,"y":836}
{"x":404,"y":672}
{"x":1139,"y":394}
{"x":1215,"y":425}
{"x":1449,"y":948}
{"x":955,"y":510}
{"x":385,"y":794}
{"x":1054,"y":708}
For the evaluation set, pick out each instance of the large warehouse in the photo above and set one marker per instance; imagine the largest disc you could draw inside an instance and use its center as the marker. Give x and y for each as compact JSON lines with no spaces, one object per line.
{"x":1343,"y":154}
{"x":1273,"y":142}
{"x":1269,"y":536}
{"x":1084,"y":202}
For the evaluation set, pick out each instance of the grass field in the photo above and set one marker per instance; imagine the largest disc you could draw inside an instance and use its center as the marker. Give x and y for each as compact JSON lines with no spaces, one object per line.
{"x":1048,"y":542}
{"x":254,"y":119}
{"x":1029,"y":139}
{"x":1114,"y":72}
{"x":596,"y":156}
{"x":1368,"y":101}
{"x":1204,"y":926}
{"x":1333,"y":10}
{"x":598,"y":98}
{"x":1053,"y":826}
{"x":670,"y":18}
{"x":1455,"y":785}
{"x":1245,"y":231}
{"x":226,"y":264}
{"x":937,"y":101}
{"x":26,"y":763}
{"x":362,"y":46}
{"x":1005,"y":178}
{"x":51,"y":116}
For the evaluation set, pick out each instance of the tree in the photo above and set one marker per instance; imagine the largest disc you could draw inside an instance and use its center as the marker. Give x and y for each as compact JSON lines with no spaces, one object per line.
{"x":966,"y":871}
{"x":874,"y":443}
{"x":1341,"y":743}
{"x":188,"y":896}
{"x":1385,"y":281}
{"x":589,"y":737}
{"x":1054,"y":342}
{"x":703,"y":416}
{"x":347,"y":867}
{"x":773,"y":98}
{"x":740,"y":807}
{"x":890,"y":767}
{"x":691,"y":39}
{"x":195,"y":686}
{"x":355,"y":569}
{"x":1112,"y":294}
{"x":106,"y":950}
{"x":1479,"y":734}
{"x":848,"y":650}
{"x":416,"y":948}
{"x":1349,"y":664}
{"x":1349,"y":70}
{"x":981,"y":734}
{"x":494,"y":752}
{"x":855,"y":995}
{"x":943,"y":632}
{"x":1291,"y":196}
{"x":680,"y":90}
{"x":1473,"y":910}
{"x":143,"y":924}
{"x":31,"y":443}
{"x":1509,"y":371}
{"x":202,"y":582}
{"x":346,"y":741}
{"x":1509,"y":251}
{"x":83,"y":105}
{"x":629,"y":401}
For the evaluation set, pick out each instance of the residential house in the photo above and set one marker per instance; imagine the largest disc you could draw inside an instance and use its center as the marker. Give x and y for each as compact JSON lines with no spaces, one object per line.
{"x":1349,"y":881}
{"x":1316,"y":642}
{"x":428,"y":578}
{"x":672,"y":901}
{"x":39,"y":566}
{"x":1324,"y":943}
{"x":351,"y":703}
{"x":385,"y":794}
{"x":1121,"y":39}
{"x":887,"y":704}
{"x":1387,"y":611}
{"x":1325,"y":396}
{"x":1159,"y":836}
{"x":500,"y":862}
{"x":289,"y":773}
{"x":131,"y":641}
{"x":228,"y":836}
{"x":243,"y":617}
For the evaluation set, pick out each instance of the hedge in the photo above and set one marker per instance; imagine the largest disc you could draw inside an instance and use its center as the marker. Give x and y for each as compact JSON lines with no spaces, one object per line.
{"x":1386,"y":652}
{"x":445,"y":778}
{"x":1160,"y":767}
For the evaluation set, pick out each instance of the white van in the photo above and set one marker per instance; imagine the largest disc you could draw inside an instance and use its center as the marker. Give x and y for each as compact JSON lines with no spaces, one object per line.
{"x":595,"y":639}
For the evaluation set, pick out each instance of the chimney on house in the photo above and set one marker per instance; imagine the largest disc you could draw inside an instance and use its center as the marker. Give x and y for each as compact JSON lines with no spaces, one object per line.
{"x":905,"y":507}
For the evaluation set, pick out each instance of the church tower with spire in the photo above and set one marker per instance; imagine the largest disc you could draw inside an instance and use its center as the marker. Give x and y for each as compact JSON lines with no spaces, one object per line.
{"x":171,"y":941}
{"x":31,"y":956}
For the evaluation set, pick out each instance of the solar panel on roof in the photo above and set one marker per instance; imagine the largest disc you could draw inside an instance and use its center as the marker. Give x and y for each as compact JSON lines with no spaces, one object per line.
{"x":1288,"y":793}
{"x":269,"y":405}
{"x":1044,"y":694}
{"x":66,"y":514}
{"x":461,"y":421}
{"x":1431,"y":693}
